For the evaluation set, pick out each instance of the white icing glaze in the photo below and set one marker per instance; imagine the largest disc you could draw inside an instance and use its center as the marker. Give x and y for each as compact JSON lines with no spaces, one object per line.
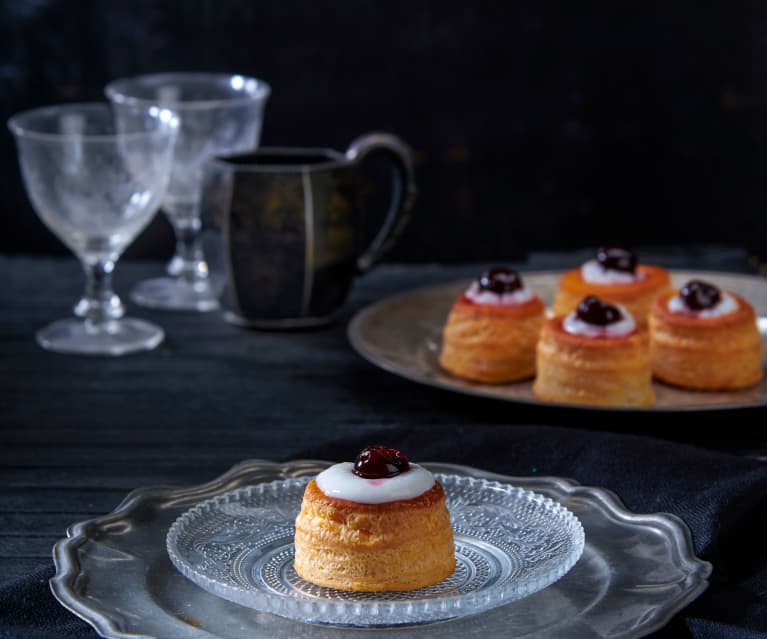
{"x":576,"y":326}
{"x":340,"y":482}
{"x":726,"y":305}
{"x":594,"y":273}
{"x":478,"y":296}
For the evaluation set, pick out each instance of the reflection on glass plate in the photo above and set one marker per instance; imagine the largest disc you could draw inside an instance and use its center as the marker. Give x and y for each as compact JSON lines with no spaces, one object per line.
{"x":403,"y":334}
{"x":509,"y":543}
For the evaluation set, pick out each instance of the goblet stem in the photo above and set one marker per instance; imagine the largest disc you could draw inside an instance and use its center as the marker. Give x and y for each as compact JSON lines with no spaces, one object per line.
{"x":189,"y":260}
{"x":191,"y":288}
{"x":99,"y":301}
{"x":94,"y":301}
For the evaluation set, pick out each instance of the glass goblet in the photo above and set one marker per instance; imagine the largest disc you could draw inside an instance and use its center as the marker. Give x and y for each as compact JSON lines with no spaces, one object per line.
{"x":96,"y":183}
{"x":219,"y":114}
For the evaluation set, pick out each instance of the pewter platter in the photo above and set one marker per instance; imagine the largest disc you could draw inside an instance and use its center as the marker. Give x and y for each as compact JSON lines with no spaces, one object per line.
{"x":402,"y":335}
{"x":635,"y":573}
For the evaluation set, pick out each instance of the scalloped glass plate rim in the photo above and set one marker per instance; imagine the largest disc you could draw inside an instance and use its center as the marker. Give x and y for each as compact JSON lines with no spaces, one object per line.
{"x":450,"y":607}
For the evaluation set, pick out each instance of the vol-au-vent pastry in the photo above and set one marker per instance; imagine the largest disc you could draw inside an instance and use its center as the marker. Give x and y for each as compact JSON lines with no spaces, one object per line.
{"x":704,"y":338}
{"x":594,"y":355}
{"x":614,"y":276}
{"x":380,"y":523}
{"x":492,"y":329}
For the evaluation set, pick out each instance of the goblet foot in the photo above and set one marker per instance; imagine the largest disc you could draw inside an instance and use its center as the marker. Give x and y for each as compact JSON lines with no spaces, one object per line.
{"x":114,"y":337}
{"x":176,"y":294}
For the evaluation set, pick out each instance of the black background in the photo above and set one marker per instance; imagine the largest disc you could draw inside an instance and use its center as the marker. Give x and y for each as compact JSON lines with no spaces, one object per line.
{"x":535,"y":124}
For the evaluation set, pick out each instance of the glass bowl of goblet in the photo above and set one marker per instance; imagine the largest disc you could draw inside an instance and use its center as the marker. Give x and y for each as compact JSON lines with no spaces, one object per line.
{"x":219,"y":114}
{"x":96,"y":182}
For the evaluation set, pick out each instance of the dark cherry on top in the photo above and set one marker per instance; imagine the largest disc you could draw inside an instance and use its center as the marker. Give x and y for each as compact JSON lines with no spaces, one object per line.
{"x":592,"y":310}
{"x":379,"y":462}
{"x":500,"y":280}
{"x":617,"y":258}
{"x":698,"y":295}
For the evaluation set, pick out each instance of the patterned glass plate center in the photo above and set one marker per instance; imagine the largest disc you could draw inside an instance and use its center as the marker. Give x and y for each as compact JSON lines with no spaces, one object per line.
{"x":509,"y":543}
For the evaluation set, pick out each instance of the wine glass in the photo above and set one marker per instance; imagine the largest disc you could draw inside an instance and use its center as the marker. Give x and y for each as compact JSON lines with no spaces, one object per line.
{"x":219,"y":114}
{"x":96,"y":182}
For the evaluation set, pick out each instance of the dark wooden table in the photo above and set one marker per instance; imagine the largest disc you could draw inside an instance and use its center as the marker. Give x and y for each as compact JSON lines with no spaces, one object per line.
{"x":77,"y":433}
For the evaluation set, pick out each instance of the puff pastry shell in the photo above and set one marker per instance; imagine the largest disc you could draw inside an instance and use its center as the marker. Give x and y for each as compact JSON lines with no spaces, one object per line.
{"x":715,"y":353}
{"x":603,"y":371}
{"x":399,"y":545}
{"x":491,"y":343}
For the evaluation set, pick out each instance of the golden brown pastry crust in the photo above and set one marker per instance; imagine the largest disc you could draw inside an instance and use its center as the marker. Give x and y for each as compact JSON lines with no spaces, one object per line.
{"x":399,"y":545}
{"x":637,"y":297}
{"x":491,"y":343}
{"x":603,"y":371}
{"x":716,"y":353}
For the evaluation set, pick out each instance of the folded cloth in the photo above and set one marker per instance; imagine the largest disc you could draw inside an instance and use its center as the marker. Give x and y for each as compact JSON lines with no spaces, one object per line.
{"x":721,"y":497}
{"x":29,"y":611}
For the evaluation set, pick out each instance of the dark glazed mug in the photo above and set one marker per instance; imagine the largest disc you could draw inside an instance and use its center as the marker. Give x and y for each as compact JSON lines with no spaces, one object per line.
{"x":283,"y":228}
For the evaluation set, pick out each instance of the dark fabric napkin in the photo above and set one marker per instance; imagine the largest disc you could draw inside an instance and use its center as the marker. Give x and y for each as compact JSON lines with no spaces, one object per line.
{"x":721,"y":497}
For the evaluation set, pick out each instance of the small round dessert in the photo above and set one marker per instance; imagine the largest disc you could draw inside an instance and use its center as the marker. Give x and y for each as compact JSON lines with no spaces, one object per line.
{"x":614,"y":276}
{"x":595,"y":355}
{"x":706,"y":339}
{"x":380,"y":524}
{"x":492,"y":329}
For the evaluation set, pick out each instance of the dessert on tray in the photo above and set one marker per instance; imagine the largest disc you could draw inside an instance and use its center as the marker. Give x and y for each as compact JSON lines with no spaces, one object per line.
{"x":704,"y":338}
{"x":492,"y":329}
{"x":614,"y":276}
{"x":377,"y":524}
{"x":594,"y":355}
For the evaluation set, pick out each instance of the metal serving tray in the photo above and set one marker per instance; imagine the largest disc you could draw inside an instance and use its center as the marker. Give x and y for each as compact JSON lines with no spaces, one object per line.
{"x":403,"y":335}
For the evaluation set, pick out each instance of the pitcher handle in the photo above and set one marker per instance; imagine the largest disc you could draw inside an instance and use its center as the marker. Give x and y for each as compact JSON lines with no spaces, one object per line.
{"x":403,"y":192}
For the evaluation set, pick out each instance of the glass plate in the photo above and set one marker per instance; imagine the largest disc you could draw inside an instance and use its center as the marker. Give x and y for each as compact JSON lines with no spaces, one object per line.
{"x":509,"y":543}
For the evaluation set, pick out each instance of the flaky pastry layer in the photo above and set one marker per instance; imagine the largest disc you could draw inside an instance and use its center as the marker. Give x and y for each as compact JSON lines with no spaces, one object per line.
{"x":399,"y":545}
{"x":603,"y":371}
{"x":491,"y":343}
{"x":716,"y":353}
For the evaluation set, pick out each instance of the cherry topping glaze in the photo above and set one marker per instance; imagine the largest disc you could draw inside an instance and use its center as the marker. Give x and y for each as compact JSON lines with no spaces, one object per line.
{"x":616,"y":258}
{"x":698,"y":295}
{"x":500,"y":280}
{"x":592,"y":310}
{"x":379,"y":462}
